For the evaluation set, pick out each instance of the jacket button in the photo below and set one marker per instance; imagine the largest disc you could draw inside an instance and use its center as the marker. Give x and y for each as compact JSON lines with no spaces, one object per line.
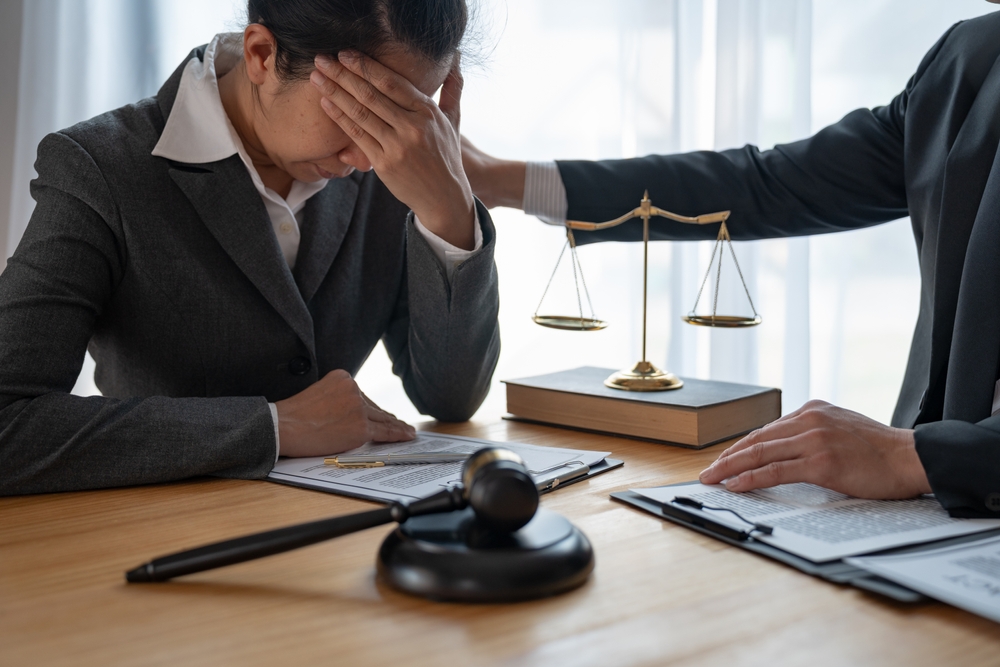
{"x":299,"y":366}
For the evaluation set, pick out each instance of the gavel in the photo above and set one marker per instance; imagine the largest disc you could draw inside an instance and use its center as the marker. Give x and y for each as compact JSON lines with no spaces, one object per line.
{"x":495,"y":483}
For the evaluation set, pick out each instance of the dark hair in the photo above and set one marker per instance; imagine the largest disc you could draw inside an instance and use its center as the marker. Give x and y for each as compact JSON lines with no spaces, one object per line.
{"x":304,"y":29}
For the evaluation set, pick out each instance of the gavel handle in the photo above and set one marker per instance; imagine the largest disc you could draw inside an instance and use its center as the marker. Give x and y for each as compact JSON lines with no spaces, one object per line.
{"x":268,"y":543}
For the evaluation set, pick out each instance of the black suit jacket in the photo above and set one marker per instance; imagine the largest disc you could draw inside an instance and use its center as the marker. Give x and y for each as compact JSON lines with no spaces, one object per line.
{"x":930,"y":154}
{"x":172,"y":274}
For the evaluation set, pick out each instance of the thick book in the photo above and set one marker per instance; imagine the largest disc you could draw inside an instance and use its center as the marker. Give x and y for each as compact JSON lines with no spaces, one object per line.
{"x":699,"y":414}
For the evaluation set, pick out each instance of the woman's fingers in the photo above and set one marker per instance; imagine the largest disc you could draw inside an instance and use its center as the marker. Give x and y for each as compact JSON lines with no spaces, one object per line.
{"x":385,"y":425}
{"x":451,"y":94}
{"x":390,"y":431}
{"x":358,"y":120}
{"x":331,"y":75}
{"x":365,"y":141}
{"x":364,"y":73}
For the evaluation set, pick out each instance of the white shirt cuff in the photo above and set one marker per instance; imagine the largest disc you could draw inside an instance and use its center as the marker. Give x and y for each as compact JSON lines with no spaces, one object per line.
{"x":449,"y":255}
{"x":545,"y":193}
{"x":274,"y":418}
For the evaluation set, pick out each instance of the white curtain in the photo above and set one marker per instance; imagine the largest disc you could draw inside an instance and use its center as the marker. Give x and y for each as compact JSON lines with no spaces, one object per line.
{"x":78,"y":58}
{"x":692,"y":76}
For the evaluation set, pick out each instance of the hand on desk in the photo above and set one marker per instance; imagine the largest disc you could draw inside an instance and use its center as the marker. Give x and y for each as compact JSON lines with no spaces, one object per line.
{"x":827,"y":446}
{"x":333,"y":416}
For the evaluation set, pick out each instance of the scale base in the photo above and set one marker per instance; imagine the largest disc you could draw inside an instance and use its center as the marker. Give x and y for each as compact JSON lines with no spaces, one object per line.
{"x":450,"y":557}
{"x":644,"y":376}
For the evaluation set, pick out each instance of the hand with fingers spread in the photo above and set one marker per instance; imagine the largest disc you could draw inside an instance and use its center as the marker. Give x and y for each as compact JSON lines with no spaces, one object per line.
{"x":412,"y":143}
{"x":333,"y":416}
{"x":827,"y":446}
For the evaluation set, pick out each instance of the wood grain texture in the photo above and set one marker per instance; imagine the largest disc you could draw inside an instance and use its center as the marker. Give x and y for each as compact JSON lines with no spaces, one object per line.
{"x":660,"y":594}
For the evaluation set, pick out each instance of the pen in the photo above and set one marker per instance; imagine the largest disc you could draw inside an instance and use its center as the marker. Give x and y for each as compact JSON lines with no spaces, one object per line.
{"x":379,"y":460}
{"x":564,"y":478}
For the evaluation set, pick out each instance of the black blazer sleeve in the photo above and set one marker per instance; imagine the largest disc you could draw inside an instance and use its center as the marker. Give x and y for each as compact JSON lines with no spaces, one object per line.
{"x":848,"y":175}
{"x":962,"y":462}
{"x":52,"y":293}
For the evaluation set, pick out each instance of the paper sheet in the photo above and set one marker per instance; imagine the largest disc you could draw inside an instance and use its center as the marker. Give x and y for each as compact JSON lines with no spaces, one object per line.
{"x":409,"y":482}
{"x":966,"y":575}
{"x":822,"y":525}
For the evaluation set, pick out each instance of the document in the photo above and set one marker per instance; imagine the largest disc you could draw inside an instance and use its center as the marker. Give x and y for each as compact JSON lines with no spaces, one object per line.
{"x":822,"y":525}
{"x":410,"y":482}
{"x":965,"y":575}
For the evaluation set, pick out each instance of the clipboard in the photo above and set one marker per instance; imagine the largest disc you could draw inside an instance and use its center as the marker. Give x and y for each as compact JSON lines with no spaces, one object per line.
{"x":837,"y":571}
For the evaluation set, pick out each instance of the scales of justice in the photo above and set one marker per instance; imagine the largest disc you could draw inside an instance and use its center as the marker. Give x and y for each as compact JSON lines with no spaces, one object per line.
{"x":645,"y":376}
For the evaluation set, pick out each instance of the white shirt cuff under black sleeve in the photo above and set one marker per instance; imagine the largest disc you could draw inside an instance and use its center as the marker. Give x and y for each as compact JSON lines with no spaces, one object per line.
{"x":450,"y":256}
{"x":274,"y":418}
{"x":545,"y":193}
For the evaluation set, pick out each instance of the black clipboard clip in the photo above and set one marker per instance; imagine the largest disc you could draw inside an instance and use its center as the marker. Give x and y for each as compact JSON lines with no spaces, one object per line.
{"x":670,"y":509}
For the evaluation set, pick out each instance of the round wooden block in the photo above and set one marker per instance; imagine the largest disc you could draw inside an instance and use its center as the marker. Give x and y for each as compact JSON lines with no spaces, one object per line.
{"x":450,"y":557}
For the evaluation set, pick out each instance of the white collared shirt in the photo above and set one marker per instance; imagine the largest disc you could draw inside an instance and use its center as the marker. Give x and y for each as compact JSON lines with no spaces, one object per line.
{"x":199,"y":131}
{"x":545,"y":193}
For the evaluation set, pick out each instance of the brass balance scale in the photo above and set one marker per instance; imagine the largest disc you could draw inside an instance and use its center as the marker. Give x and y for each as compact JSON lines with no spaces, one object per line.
{"x":645,"y":376}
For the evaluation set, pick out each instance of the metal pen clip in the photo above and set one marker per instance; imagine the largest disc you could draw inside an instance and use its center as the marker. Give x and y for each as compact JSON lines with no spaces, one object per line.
{"x":569,"y":475}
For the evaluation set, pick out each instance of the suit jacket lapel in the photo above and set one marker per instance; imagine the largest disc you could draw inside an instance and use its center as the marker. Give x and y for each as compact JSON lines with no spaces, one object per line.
{"x":229,"y":205}
{"x":327,"y":217}
{"x":975,"y":347}
{"x":969,"y":172}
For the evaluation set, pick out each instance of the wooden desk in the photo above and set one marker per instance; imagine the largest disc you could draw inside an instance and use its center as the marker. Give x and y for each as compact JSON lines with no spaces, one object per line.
{"x":660,"y":594}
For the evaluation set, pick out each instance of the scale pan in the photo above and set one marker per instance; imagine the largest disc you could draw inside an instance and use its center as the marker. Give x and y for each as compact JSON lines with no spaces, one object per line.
{"x":569,"y":322}
{"x":722,"y":321}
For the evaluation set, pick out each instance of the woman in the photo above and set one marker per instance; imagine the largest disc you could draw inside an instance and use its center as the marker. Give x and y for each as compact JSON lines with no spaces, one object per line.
{"x":232,"y":249}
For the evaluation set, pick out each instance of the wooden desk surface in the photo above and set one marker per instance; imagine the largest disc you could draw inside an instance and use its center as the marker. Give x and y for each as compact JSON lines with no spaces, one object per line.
{"x":659,"y":595}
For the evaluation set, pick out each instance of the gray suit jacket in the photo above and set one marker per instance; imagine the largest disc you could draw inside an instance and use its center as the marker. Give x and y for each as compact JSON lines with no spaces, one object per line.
{"x":930,"y":154}
{"x":172,"y":275}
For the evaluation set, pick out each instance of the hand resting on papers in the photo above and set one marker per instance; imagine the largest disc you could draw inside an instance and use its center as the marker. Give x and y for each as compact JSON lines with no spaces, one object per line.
{"x":828,"y":446}
{"x":333,"y":416}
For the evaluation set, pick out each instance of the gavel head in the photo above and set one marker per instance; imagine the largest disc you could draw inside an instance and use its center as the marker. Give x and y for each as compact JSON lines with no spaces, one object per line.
{"x":499,"y":489}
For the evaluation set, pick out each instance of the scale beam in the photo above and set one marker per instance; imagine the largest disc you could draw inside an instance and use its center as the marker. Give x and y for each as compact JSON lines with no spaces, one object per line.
{"x":644,"y":376}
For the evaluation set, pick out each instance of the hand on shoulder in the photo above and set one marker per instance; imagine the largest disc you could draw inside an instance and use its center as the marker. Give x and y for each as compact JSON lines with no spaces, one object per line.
{"x":828,"y":446}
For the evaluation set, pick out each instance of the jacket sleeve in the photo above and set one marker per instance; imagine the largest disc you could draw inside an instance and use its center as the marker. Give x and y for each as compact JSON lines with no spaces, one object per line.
{"x":848,"y":175}
{"x":444,"y":338}
{"x":962,"y":461}
{"x":65,"y":271}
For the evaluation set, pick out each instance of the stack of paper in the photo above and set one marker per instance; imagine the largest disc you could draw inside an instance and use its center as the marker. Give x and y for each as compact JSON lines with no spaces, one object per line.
{"x":409,"y":482}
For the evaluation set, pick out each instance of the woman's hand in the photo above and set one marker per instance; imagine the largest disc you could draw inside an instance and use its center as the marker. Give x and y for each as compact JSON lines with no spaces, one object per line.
{"x":496,"y":182}
{"x":411,"y":142}
{"x":333,"y":416}
{"x":827,"y":446}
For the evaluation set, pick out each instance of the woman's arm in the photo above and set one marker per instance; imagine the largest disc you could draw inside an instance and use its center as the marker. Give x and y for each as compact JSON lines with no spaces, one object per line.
{"x":60,"y":280}
{"x":52,"y":293}
{"x":444,"y":338}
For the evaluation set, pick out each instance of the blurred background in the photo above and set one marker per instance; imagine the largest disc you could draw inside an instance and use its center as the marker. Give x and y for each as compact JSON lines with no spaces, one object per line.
{"x":589,"y":79}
